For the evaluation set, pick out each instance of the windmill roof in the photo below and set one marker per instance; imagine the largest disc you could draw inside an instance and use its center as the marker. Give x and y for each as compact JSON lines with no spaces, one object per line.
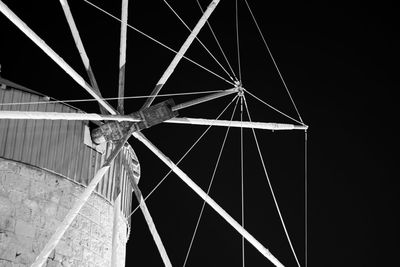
{"x":11,"y":84}
{"x":18,"y":86}
{"x":60,"y":146}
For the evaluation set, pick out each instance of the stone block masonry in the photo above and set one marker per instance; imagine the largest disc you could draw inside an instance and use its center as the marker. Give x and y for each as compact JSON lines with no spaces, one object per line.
{"x":32,"y":204}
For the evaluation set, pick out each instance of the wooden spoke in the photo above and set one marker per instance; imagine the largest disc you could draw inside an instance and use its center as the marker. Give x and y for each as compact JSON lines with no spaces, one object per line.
{"x":53,"y":55}
{"x":264,"y":251}
{"x":122,"y":56}
{"x":133,"y":128}
{"x":149,"y":220}
{"x":81,"y":49}
{"x":204,"y":99}
{"x":37,"y":115}
{"x":181,"y":53}
{"x":239,"y":124}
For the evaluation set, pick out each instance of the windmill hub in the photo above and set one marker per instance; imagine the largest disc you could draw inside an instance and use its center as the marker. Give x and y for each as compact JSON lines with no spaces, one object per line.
{"x":240,"y":91}
{"x":153,"y":115}
{"x":239,"y":88}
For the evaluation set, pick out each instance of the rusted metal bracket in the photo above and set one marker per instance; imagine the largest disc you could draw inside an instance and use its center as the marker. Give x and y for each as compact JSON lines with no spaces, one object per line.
{"x":153,"y":115}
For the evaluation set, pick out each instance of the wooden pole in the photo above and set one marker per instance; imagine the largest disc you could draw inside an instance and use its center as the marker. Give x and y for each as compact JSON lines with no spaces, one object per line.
{"x":73,"y":212}
{"x":204,"y":99}
{"x":38,"y":115}
{"x":181,"y":53}
{"x":56,"y":237}
{"x":122,"y":56}
{"x":149,"y":221}
{"x":264,"y":251}
{"x":53,"y":55}
{"x":85,"y":195}
{"x":239,"y":124}
{"x":81,"y":49}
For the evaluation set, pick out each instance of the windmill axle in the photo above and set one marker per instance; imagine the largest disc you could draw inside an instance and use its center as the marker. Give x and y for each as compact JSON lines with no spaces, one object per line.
{"x":153,"y":115}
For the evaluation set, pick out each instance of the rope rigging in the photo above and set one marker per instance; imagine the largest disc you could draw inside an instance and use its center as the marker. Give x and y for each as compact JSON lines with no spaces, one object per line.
{"x":108,"y":98}
{"x":268,"y":105}
{"x":305,"y":198}
{"x":237,"y":40}
{"x":209,"y":186}
{"x":240,"y":93}
{"x":158,"y":42}
{"x":242,"y":102}
{"x":186,"y":153}
{"x":218,"y":43}
{"x":270,"y":186}
{"x":198,"y":39}
{"x":273,"y":60}
{"x":242,"y":175}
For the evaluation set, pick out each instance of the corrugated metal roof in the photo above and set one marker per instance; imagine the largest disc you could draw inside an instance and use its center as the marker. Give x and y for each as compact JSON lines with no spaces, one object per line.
{"x":59,"y":146}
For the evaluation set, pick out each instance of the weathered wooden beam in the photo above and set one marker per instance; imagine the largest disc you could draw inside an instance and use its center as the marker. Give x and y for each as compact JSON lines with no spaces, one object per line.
{"x":122,"y":56}
{"x":181,"y":53}
{"x":239,"y":124}
{"x":37,"y":115}
{"x":264,"y":251}
{"x":205,"y":99}
{"x":81,"y":49}
{"x":153,"y":115}
{"x":53,"y":55}
{"x":149,"y":220}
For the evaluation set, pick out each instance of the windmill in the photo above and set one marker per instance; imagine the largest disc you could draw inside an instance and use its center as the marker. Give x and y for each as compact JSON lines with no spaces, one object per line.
{"x":117,"y":127}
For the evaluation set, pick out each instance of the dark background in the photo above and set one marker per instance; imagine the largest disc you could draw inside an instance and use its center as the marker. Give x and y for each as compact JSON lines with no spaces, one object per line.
{"x":340,"y":62}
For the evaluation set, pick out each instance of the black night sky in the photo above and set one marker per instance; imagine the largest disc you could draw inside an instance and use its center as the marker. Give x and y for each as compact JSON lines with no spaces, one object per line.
{"x":340,"y":62}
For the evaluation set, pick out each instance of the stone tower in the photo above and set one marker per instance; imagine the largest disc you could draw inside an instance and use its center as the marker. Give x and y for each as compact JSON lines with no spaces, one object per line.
{"x":44,"y":166}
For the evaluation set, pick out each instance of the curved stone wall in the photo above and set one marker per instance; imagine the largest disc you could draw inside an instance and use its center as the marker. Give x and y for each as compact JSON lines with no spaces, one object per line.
{"x":34,"y":201}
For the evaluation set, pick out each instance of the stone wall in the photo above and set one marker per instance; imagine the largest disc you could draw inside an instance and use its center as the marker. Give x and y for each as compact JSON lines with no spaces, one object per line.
{"x":32,"y":204}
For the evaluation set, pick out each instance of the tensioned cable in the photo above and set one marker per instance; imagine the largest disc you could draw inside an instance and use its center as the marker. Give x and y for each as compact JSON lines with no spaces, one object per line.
{"x":273,"y":60}
{"x":242,"y":174}
{"x":108,"y":98}
{"x":187,"y":152}
{"x":237,"y":39}
{"x":270,"y":185}
{"x":217,"y":41}
{"x":209,"y":186}
{"x":158,"y":42}
{"x":305,"y":199}
{"x":268,"y":105}
{"x":198,"y":39}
